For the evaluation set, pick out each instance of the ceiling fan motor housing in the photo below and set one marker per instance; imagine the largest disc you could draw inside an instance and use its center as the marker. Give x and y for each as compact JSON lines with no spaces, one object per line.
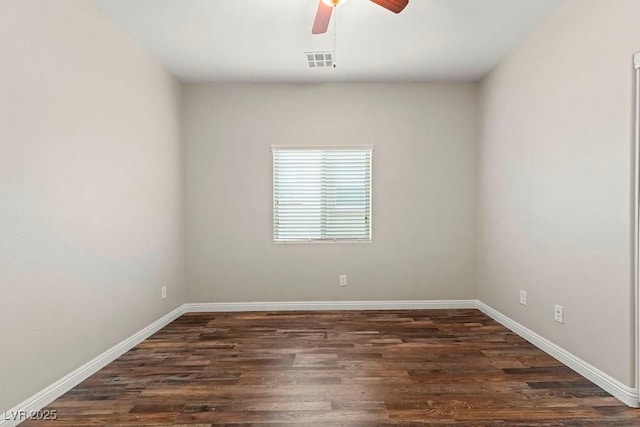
{"x":325,"y":9}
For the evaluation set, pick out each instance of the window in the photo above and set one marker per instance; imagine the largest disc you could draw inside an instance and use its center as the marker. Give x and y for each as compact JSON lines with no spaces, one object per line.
{"x":321,"y":194}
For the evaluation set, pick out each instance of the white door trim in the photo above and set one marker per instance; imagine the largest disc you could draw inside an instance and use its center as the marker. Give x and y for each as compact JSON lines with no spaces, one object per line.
{"x":636,"y":233}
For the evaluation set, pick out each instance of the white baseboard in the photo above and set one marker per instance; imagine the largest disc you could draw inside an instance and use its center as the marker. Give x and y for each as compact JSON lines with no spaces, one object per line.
{"x":66,"y":383}
{"x":626,"y":394}
{"x":330,"y":305}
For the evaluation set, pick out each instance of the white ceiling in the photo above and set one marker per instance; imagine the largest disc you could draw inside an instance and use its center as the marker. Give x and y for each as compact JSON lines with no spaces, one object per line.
{"x":265,"y":40}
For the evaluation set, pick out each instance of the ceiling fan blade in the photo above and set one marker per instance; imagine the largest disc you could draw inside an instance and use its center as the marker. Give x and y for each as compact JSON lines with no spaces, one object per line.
{"x":395,"y":6}
{"x":323,"y":16}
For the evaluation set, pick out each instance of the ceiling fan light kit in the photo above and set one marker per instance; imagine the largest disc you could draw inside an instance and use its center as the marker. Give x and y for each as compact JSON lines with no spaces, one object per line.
{"x":333,"y":3}
{"x":325,"y":9}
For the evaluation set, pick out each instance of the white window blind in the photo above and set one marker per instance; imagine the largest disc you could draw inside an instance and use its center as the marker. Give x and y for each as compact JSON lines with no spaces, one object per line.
{"x":321,"y":194}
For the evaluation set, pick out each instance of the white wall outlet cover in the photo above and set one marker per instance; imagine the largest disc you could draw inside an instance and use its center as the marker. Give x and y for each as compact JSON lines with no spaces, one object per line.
{"x":558,"y":313}
{"x":343,"y":280}
{"x":523,"y":297}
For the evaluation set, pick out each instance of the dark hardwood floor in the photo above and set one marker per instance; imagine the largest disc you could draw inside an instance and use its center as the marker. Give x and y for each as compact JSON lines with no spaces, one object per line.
{"x":431,"y":367}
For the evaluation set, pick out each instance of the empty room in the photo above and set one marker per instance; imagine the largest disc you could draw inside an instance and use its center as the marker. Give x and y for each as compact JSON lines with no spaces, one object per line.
{"x":318,"y":212}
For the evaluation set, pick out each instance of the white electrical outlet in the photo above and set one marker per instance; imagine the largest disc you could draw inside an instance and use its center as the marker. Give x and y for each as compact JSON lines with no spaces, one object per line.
{"x":163,"y":292}
{"x":558,"y":314}
{"x":343,"y":280}
{"x":523,"y":297}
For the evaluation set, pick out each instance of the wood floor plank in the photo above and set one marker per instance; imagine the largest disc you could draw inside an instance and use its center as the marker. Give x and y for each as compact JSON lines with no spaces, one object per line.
{"x":338,"y":368}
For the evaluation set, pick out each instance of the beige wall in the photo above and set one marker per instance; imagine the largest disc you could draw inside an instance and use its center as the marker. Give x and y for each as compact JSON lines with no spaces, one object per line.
{"x":554,"y":182}
{"x":423,"y":191}
{"x":91,"y":196}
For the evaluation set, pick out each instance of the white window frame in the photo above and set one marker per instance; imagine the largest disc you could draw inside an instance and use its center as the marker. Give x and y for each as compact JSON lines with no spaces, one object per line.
{"x":323,"y":239}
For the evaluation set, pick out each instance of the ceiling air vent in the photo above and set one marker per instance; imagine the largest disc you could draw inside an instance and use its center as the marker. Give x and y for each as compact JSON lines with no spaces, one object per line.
{"x":320,"y":59}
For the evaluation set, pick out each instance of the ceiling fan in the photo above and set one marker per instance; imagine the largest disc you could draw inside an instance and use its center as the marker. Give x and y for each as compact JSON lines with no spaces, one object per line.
{"x":325,"y":8}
